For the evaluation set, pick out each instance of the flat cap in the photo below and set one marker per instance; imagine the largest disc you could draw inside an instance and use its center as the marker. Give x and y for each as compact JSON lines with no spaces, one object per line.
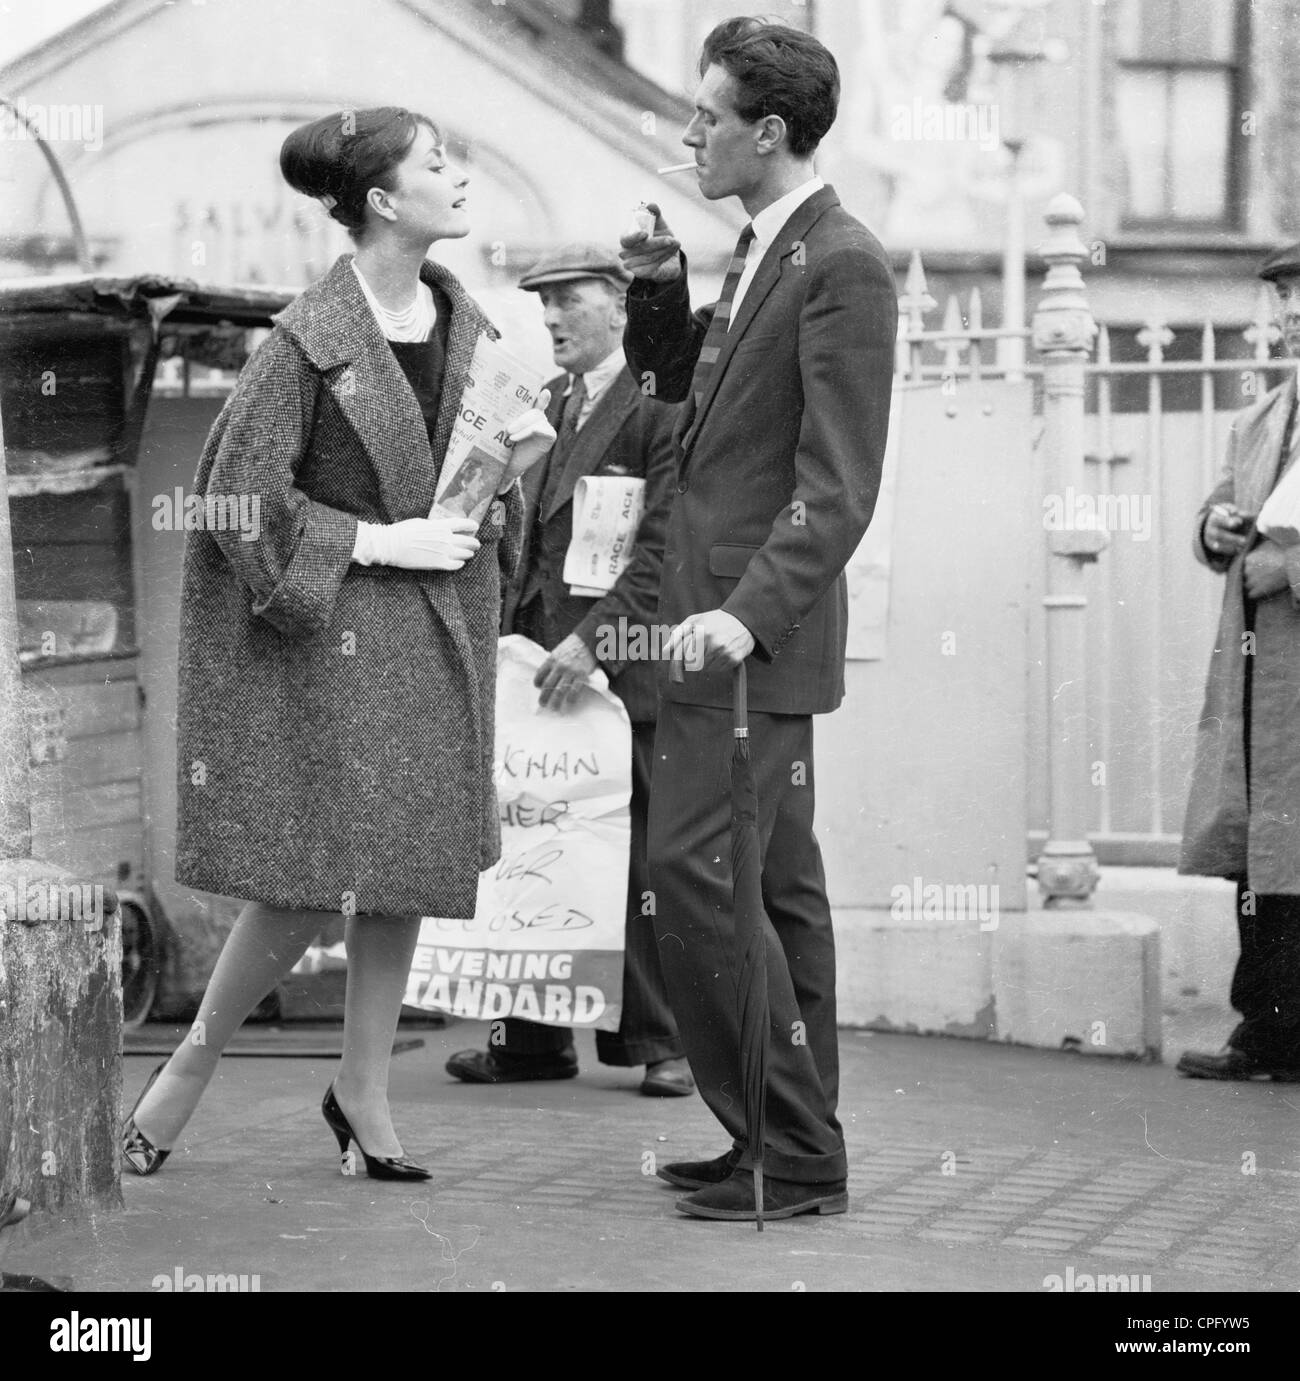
{"x":581,"y":260}
{"x":1282,"y":263}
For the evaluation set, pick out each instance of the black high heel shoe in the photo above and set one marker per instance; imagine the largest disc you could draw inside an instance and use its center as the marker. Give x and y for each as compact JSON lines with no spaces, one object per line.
{"x":377,"y":1167}
{"x":137,"y":1150}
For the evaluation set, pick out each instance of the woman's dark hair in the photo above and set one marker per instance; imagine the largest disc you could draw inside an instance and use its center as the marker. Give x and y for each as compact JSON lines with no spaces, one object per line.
{"x":778,"y":71}
{"x":342,"y":156}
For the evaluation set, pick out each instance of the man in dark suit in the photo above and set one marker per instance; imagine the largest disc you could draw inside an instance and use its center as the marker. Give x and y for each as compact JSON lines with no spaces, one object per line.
{"x":780,"y":447}
{"x":606,"y":426}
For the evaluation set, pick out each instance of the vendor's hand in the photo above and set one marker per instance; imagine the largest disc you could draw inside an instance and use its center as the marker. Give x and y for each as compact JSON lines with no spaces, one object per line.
{"x":654,"y":256}
{"x":1266,"y":571}
{"x":531,"y":437}
{"x":564,"y":673}
{"x":417,"y":544}
{"x":714,"y":638}
{"x":1227,"y":530}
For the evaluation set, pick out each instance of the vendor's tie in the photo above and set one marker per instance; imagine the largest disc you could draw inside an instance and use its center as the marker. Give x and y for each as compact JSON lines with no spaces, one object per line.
{"x":555,"y":462}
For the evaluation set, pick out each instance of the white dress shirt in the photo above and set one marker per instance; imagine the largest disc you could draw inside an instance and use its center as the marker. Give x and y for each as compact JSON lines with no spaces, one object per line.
{"x":597,"y":380}
{"x":767,"y":226}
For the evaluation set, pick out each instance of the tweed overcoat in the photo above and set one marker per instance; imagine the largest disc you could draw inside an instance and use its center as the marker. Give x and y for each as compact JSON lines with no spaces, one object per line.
{"x":335,"y":724}
{"x":1222,"y":835}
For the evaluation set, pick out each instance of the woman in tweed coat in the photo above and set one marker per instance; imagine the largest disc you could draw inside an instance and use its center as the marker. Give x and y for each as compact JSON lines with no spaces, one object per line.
{"x":338,"y":659}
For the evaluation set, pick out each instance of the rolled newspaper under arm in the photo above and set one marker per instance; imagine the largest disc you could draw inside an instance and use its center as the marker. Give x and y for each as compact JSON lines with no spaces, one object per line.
{"x":607,"y":511}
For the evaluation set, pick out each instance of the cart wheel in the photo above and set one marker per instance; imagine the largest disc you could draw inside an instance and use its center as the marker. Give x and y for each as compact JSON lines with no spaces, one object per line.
{"x":141,"y":964}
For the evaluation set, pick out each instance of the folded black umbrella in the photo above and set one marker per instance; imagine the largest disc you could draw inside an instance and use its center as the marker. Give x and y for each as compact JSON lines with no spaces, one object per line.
{"x":749,"y":922}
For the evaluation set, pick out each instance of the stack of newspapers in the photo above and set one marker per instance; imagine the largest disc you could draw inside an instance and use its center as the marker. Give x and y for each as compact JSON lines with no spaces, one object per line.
{"x":1279,"y":519}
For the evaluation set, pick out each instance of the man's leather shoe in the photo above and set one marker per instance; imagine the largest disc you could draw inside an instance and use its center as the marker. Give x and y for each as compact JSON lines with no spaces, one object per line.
{"x":484,"y":1067}
{"x":733,"y":1199}
{"x":699,"y":1174}
{"x":668,"y":1079}
{"x":1236,"y":1064}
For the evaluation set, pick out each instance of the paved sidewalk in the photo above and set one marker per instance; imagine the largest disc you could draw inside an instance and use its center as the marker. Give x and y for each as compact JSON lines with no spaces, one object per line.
{"x":973,"y":1167}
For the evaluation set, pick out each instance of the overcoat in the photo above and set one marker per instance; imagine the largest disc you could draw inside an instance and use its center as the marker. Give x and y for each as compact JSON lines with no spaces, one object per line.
{"x":335,"y":724}
{"x":1222,"y":835}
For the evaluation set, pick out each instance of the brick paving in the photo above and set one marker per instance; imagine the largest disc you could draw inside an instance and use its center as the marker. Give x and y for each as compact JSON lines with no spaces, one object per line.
{"x":973,"y":1167}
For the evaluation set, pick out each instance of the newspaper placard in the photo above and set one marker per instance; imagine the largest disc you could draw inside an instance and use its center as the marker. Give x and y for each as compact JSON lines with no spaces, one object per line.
{"x":545,"y":942}
{"x":607,"y":511}
{"x":498,"y":388}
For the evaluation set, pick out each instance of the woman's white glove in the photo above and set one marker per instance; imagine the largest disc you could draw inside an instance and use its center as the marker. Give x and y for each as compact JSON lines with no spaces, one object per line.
{"x":531,"y":437}
{"x":417,"y":544}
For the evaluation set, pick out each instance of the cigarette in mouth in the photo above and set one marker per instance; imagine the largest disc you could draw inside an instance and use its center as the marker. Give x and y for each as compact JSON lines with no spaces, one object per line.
{"x":676,"y":168}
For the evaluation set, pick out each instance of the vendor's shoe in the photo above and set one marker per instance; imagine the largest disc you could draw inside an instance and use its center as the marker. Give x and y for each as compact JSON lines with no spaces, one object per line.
{"x":1231,"y":1063}
{"x":668,"y":1079}
{"x":483,"y":1067}
{"x":699,"y":1174}
{"x":733,"y":1199}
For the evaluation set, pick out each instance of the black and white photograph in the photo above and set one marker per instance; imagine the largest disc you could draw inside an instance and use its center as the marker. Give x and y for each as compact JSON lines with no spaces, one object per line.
{"x":873,"y":866}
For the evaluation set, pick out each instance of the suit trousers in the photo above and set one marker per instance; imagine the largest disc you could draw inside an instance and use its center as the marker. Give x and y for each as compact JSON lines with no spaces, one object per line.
{"x":1266,"y":981}
{"x":647,"y":1032}
{"x":690,"y":871}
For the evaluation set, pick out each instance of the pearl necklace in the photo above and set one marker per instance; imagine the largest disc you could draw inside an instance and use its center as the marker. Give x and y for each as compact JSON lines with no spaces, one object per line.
{"x":413,"y":323}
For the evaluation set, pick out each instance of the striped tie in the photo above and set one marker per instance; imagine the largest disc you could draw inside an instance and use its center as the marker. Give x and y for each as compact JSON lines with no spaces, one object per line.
{"x":717,"y":331}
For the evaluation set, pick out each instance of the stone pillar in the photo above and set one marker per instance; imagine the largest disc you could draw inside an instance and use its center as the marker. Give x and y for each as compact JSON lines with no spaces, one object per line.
{"x":1063,"y":332}
{"x":60,"y":983}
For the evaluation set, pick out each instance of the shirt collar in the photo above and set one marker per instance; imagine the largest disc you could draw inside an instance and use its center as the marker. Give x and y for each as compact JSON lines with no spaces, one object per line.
{"x":767,"y":224}
{"x":598,"y":378}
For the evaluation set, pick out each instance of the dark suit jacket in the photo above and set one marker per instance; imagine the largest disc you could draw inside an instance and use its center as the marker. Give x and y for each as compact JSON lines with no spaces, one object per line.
{"x":627,"y":433}
{"x":779,"y":465}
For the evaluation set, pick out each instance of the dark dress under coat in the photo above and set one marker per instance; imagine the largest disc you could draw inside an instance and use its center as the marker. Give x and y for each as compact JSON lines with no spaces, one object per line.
{"x":335,"y":727}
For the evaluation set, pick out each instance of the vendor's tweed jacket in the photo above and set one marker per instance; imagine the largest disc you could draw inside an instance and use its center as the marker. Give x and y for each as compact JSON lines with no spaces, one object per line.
{"x":335,"y":728}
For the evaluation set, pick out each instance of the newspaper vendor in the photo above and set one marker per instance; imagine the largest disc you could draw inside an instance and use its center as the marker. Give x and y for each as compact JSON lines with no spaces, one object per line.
{"x":608,"y":430}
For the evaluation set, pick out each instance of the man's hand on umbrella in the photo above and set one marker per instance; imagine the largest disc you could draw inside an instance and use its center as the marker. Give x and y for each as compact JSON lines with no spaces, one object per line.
{"x":1266,"y":571}
{"x":713,"y":638}
{"x":564,"y":673}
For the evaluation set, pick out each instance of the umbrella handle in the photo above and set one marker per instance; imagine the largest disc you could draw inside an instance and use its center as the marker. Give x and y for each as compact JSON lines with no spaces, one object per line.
{"x":740,"y":703}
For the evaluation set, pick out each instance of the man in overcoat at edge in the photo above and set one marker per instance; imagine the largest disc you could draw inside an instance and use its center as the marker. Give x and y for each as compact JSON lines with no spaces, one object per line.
{"x":1243,"y":810}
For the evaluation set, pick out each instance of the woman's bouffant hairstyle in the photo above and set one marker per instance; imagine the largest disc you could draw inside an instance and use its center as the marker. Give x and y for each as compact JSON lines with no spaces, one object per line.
{"x":778,"y":71}
{"x":339,"y":158}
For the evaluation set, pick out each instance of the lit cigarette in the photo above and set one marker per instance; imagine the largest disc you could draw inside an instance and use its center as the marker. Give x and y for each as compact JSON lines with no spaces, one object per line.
{"x":676,"y":168}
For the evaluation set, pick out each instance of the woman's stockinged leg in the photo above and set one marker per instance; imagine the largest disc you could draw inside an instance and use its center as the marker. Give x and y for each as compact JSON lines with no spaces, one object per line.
{"x":379,"y":960}
{"x":263,"y":945}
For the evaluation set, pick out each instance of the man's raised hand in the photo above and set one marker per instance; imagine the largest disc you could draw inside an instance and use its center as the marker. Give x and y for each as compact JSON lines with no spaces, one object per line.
{"x":654,"y":255}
